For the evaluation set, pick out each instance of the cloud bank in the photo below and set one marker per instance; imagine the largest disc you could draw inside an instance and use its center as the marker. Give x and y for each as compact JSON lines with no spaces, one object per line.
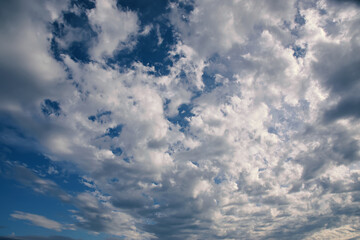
{"x":188,"y":119}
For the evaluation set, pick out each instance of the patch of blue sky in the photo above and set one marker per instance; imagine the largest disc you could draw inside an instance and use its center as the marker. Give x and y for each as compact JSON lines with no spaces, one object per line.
{"x":299,"y":52}
{"x":20,"y":198}
{"x":77,"y":50}
{"x":83,"y":4}
{"x":209,"y":81}
{"x":186,"y":6}
{"x":55,"y":49}
{"x":266,"y":161}
{"x":127,"y":159}
{"x":100,"y":117}
{"x":151,"y":49}
{"x":76,"y":21}
{"x":117,"y":151}
{"x":148,"y":11}
{"x":218,"y":180}
{"x":44,"y":167}
{"x":71,"y":182}
{"x":299,"y":19}
{"x":23,"y":198}
{"x":50,"y":107}
{"x":11,"y":135}
{"x":156,"y":202}
{"x":24,"y":156}
{"x":195,"y":163}
{"x":114,"y":132}
{"x":272,"y":130}
{"x":23,"y":228}
{"x":184,"y":112}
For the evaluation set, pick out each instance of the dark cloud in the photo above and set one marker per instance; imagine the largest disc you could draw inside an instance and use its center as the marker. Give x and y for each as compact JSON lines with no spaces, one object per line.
{"x":335,"y":146}
{"x":346,"y":108}
{"x":314,"y":166}
{"x":338,"y":68}
{"x":346,"y":77}
{"x":12,"y":79}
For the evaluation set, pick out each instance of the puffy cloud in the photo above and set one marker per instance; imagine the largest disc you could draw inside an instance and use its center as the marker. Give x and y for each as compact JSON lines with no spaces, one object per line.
{"x":208,"y":29}
{"x":25,"y":58}
{"x":114,"y":27}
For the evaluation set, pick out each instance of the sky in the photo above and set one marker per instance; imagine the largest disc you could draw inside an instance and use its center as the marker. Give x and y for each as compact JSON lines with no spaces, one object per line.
{"x":179,"y":119}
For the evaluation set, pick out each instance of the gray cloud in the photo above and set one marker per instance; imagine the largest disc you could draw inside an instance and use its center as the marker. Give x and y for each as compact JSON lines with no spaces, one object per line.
{"x":346,"y":108}
{"x":342,"y":150}
{"x":40,"y":185}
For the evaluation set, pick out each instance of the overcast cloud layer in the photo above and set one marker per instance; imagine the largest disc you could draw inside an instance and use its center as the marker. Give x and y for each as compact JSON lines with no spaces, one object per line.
{"x":183,"y":119}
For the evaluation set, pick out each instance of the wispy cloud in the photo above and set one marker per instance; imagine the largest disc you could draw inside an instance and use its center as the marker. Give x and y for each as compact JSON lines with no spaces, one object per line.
{"x":38,"y":220}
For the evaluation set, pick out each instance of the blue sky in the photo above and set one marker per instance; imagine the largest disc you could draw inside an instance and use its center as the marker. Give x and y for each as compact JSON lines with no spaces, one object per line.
{"x":179,"y":119}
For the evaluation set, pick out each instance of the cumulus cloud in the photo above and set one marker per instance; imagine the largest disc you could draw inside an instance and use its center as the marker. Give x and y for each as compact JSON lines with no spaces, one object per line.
{"x":39,"y":69}
{"x":113,"y":25}
{"x":253,"y":132}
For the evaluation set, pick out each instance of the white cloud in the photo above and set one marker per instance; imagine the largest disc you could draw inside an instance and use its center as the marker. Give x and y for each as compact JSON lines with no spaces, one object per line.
{"x":214,"y":27}
{"x":38,"y":220}
{"x":114,"y":27}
